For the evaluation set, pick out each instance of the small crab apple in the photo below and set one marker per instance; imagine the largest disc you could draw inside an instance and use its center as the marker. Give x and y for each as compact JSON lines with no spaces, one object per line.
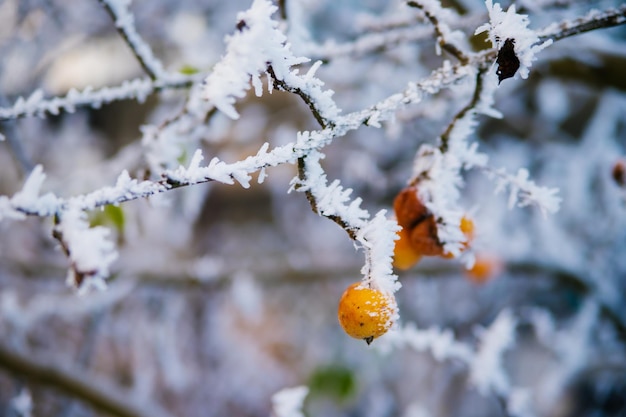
{"x":404,"y":255}
{"x":485,"y":267}
{"x":366,"y":312}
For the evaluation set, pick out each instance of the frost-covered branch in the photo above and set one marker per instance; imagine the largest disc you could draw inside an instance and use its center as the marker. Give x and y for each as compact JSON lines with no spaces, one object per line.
{"x":446,"y":38}
{"x":89,"y":249}
{"x":483,"y":362}
{"x":437,"y":171}
{"x":481,"y":102}
{"x":125,"y":24}
{"x":516,"y":43}
{"x":523,"y":191}
{"x":138,"y":89}
{"x":595,"y":19}
{"x":94,"y":391}
{"x":258,"y":47}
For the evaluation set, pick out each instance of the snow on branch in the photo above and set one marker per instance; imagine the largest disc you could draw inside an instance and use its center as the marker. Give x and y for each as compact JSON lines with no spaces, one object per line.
{"x":377,"y":237}
{"x":240,"y":171}
{"x":139,"y":89}
{"x":440,"y":343}
{"x":28,"y":200}
{"x":437,"y":171}
{"x":511,"y":28}
{"x":486,"y":370}
{"x":595,"y":19}
{"x":447,"y":39}
{"x":125,"y":23}
{"x":484,"y":363}
{"x":366,"y":43}
{"x":89,"y":249}
{"x":258,"y":47}
{"x":523,"y":191}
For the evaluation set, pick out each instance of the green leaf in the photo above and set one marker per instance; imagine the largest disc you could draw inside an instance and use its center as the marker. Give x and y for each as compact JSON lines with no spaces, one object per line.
{"x":188,"y":70}
{"x":109,"y":216}
{"x":333,"y":381}
{"x":115,"y":215}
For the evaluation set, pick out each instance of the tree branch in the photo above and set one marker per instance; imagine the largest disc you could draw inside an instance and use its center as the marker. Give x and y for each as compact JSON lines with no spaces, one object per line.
{"x":445,"y":136}
{"x":592,"y":21}
{"x":103,"y":396}
{"x":124,"y":22}
{"x":139,"y":89}
{"x":442,"y":31}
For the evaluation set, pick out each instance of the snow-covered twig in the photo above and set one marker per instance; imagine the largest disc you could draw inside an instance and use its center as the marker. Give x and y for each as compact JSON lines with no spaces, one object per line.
{"x":595,"y":19}
{"x":36,"y":105}
{"x":258,"y":47}
{"x":511,"y":28}
{"x":125,"y":24}
{"x":447,"y":39}
{"x":248,"y":56}
{"x":437,"y":171}
{"x":523,"y":191}
{"x":89,"y":249}
{"x":138,"y":89}
{"x":484,"y":362}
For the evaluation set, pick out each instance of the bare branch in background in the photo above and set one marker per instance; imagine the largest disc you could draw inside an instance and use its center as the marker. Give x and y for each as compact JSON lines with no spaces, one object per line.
{"x":80,"y":385}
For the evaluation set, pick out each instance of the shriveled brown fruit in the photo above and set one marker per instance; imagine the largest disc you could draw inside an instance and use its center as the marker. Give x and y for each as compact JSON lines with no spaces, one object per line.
{"x":619,"y":172}
{"x":424,"y":237}
{"x":408,"y":208}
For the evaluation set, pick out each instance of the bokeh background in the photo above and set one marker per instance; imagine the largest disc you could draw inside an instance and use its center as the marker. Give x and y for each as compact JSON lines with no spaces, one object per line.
{"x":222,"y":296}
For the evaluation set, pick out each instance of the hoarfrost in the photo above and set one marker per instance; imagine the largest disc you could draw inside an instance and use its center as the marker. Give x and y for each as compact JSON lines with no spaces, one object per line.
{"x":487,"y":372}
{"x":511,"y":25}
{"x":89,"y":249}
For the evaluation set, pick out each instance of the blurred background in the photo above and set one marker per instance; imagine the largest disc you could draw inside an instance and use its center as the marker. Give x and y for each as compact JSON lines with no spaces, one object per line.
{"x":222,"y":296}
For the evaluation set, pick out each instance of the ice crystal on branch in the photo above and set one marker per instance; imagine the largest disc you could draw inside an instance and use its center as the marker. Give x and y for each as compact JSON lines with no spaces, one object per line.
{"x":89,"y":249}
{"x":524,"y":192}
{"x":28,"y":200}
{"x":125,"y":23}
{"x":377,"y":237}
{"x":487,"y":372}
{"x":510,"y":28}
{"x":258,"y":47}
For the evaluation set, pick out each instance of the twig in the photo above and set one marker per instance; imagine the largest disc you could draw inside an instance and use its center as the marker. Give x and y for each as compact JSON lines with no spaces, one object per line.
{"x":592,"y":21}
{"x":442,"y":32}
{"x":124,"y":22}
{"x":100,"y":394}
{"x":282,"y":85}
{"x":139,"y":89}
{"x":445,"y":137}
{"x":302,"y":161}
{"x":351,"y":230}
{"x":282,"y":9}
